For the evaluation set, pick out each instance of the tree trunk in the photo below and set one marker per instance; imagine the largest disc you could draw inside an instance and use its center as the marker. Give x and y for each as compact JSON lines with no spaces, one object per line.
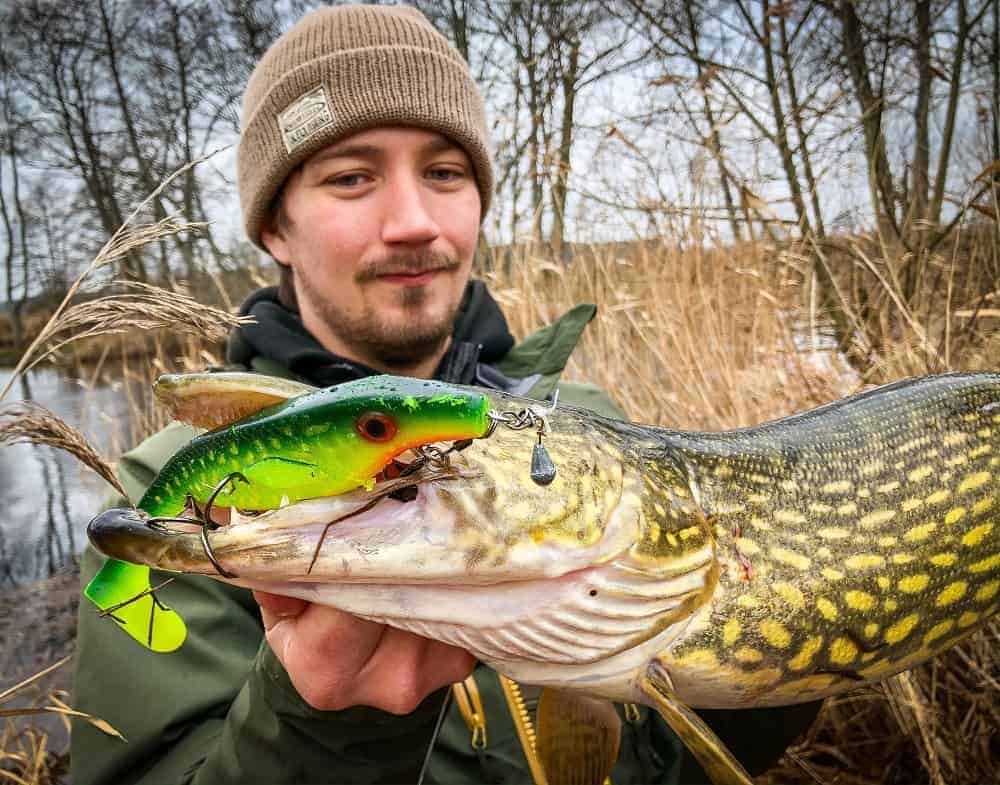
{"x":920,"y":182}
{"x":796,"y":112}
{"x":996,"y":84}
{"x":781,"y":127}
{"x":883,"y":192}
{"x":561,"y":181}
{"x":951,"y":113}
{"x":714,"y":137}
{"x":146,"y":179}
{"x":15,"y":315}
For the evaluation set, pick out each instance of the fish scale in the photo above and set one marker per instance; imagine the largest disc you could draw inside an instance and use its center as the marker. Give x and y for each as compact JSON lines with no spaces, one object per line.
{"x":818,"y":599}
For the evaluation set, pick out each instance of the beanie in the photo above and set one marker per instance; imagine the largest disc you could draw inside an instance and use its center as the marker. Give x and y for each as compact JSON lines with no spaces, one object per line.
{"x":344,"y":69}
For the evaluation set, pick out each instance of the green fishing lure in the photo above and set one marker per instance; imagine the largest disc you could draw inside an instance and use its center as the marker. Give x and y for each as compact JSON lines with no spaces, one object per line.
{"x":287,"y":442}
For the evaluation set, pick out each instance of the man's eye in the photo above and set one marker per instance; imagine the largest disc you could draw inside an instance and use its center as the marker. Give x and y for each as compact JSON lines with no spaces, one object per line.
{"x":445,"y":175}
{"x":347,"y":180}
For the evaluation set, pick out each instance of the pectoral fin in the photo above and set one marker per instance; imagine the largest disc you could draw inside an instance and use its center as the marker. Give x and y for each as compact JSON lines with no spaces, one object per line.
{"x":211,"y":400}
{"x":577,"y":739}
{"x":717,"y":761}
{"x":124,"y":590}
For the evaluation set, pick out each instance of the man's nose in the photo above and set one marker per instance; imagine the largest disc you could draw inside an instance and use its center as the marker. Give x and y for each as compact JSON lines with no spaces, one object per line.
{"x":408,"y":217}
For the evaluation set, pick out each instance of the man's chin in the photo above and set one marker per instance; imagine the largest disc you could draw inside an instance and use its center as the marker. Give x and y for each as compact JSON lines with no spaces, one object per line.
{"x":409,"y":338}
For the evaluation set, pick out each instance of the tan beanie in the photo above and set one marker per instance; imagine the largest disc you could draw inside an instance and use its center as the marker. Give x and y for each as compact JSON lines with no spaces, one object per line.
{"x":345,"y":69}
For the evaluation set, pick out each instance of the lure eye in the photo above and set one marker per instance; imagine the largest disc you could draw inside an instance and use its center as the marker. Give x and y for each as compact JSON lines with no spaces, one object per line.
{"x":376,"y":427}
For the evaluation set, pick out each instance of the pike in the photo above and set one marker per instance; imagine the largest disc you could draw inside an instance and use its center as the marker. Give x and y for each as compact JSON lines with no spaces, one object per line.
{"x":760,"y":566}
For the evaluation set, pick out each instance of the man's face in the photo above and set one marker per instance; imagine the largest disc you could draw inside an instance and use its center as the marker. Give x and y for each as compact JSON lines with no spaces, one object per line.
{"x":380,"y":229}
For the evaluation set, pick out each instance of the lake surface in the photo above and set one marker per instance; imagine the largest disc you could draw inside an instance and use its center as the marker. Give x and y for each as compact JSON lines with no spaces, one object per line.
{"x":48,"y":496}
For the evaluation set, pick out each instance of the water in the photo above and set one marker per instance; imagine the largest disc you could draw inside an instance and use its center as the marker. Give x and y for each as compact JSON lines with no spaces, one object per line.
{"x":48,"y":495}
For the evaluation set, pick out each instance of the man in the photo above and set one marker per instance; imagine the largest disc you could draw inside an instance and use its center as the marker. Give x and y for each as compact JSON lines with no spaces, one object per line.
{"x":364,"y":170}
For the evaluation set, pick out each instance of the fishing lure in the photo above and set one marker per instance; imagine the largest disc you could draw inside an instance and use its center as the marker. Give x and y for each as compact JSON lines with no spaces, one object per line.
{"x":316,"y":443}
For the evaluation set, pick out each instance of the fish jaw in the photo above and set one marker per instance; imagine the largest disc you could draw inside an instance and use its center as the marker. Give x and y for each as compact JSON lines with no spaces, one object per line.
{"x":586,"y":618}
{"x":576,"y":631}
{"x":354,"y":538}
{"x":591,"y":621}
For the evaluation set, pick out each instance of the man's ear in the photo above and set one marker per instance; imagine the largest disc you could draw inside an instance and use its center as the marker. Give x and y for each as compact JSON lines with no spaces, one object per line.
{"x":273,"y":239}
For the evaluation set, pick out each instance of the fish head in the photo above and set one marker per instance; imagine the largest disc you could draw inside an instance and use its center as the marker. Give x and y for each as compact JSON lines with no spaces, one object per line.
{"x":467,"y":515}
{"x":548,"y":582}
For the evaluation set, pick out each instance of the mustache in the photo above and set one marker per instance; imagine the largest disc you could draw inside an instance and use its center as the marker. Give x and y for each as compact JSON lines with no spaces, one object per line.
{"x":413,"y":263}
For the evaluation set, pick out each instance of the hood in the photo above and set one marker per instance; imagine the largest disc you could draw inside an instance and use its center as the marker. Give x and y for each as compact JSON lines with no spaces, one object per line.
{"x":480,"y":339}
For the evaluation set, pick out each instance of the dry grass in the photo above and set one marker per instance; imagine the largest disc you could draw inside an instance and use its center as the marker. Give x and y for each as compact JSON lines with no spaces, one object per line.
{"x":25,"y":757}
{"x":141,"y":307}
{"x":691,"y":339}
{"x":24,"y":753}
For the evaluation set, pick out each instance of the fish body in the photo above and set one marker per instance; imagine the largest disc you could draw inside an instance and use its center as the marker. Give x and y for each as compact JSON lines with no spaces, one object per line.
{"x":853,"y":541}
{"x":759,"y":566}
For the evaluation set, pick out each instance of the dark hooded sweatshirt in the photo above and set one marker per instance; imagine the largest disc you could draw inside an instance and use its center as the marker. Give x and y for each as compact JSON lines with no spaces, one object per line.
{"x":480,"y":339}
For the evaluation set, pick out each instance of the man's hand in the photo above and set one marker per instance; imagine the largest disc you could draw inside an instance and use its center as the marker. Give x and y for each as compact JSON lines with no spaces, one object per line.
{"x":336,"y":660}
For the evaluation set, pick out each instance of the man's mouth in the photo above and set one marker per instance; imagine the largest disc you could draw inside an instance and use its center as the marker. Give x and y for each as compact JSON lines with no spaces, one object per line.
{"x":415,"y":278}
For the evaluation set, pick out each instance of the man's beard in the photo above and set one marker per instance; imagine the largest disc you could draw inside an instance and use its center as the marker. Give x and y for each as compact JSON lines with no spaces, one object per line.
{"x":392,"y":345}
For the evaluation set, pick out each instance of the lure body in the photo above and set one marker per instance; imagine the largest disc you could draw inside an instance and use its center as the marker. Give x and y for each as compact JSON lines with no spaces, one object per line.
{"x":297,"y":442}
{"x":322,"y":443}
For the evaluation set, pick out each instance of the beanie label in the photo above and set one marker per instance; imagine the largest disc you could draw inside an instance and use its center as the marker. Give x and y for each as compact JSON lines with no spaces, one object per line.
{"x":306,"y":116}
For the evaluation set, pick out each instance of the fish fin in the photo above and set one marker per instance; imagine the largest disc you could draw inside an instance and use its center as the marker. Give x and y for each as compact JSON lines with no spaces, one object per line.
{"x":708,"y":749}
{"x":577,"y":737}
{"x":211,"y":400}
{"x":123,"y":590}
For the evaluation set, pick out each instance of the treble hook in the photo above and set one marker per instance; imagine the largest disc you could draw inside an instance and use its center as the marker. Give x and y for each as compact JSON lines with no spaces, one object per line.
{"x":208,"y":524}
{"x":202,"y":518}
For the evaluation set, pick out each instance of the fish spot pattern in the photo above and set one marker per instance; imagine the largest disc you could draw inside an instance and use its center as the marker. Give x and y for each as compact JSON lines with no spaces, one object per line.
{"x":888,"y":541}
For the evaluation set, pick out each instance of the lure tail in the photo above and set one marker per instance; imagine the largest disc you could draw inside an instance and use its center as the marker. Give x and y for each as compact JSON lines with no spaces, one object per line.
{"x":123,"y":592}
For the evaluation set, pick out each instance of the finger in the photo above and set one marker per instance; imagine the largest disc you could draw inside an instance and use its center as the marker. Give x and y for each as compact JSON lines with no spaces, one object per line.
{"x":275,"y":607}
{"x":406,"y":668}
{"x":443,"y":665}
{"x":323,"y":650}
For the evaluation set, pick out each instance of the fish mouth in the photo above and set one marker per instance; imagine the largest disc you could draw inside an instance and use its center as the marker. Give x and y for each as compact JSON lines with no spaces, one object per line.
{"x":449,"y":513}
{"x":267,"y":542}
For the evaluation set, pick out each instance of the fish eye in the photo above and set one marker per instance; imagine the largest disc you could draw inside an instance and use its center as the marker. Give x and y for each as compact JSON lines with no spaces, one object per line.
{"x":376,"y":426}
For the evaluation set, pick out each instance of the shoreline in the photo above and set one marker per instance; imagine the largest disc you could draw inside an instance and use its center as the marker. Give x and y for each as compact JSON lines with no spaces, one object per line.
{"x":37,"y":629}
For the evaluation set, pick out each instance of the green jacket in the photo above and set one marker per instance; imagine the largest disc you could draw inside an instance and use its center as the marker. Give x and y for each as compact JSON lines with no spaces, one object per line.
{"x":221,"y":709}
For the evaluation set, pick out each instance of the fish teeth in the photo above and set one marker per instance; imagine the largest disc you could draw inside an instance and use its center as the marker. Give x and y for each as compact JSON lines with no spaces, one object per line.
{"x":236,"y":517}
{"x":284,"y":502}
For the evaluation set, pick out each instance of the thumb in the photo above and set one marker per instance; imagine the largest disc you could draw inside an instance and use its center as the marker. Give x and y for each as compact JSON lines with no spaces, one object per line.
{"x":277,"y":607}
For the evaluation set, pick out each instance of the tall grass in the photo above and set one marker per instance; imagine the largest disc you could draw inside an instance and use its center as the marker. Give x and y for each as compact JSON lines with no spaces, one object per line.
{"x":704,"y":339}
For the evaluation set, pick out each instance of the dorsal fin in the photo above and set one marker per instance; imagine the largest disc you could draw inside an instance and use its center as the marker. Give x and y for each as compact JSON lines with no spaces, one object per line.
{"x":211,"y":400}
